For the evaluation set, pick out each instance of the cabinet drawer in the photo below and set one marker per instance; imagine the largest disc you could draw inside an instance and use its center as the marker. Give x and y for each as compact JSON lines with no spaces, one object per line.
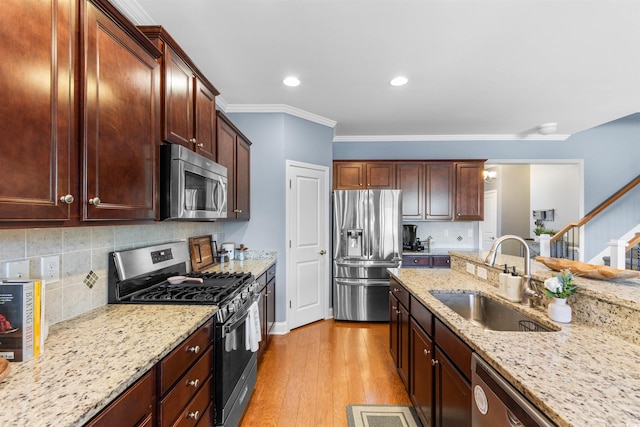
{"x":458,"y":351}
{"x":262,"y":281}
{"x":198,"y":409}
{"x":132,"y":407}
{"x":399,"y":292}
{"x":174,"y":402}
{"x":422,"y":315}
{"x":416,"y":261}
{"x":441,"y":261}
{"x":271,"y":273}
{"x":178,"y":361}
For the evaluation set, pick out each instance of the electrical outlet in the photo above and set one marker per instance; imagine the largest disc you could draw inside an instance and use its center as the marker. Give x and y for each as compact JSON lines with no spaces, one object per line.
{"x":50,"y":268}
{"x":471,"y":268}
{"x":17,"y":269}
{"x":481,"y":272}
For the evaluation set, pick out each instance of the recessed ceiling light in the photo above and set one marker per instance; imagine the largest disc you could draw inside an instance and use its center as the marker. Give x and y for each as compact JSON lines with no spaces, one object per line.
{"x":291,"y":81}
{"x":399,"y":81}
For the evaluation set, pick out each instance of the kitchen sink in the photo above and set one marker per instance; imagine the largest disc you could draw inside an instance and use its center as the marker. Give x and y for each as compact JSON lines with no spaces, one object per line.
{"x":488,"y":313}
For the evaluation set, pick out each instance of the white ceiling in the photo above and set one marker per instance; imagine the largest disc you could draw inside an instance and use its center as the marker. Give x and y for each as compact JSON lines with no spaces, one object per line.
{"x":477,"y":69}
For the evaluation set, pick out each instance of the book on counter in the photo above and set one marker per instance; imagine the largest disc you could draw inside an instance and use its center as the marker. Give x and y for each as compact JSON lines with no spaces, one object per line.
{"x":21,"y":319}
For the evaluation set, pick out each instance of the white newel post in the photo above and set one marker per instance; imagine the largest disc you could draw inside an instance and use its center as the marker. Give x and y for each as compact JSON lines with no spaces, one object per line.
{"x":618,"y":251}
{"x":545,"y":245}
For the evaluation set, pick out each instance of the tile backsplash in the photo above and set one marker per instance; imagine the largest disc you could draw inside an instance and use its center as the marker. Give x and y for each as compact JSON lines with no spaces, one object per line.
{"x":83,"y":253}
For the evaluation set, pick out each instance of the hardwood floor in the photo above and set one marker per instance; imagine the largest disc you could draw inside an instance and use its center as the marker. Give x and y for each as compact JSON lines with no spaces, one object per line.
{"x":309,"y":376}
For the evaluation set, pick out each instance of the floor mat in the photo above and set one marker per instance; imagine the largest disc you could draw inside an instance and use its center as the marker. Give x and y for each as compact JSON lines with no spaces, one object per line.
{"x":382,"y":416}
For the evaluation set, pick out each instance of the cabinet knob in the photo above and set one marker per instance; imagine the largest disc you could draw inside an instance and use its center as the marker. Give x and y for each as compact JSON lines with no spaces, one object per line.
{"x":201,"y":145}
{"x":237,"y":210}
{"x":192,"y":140}
{"x":193,"y":415}
{"x":95,"y":201}
{"x":426,"y":352}
{"x":395,"y":308}
{"x":397,"y":311}
{"x":68,"y":199}
{"x":193,"y":383}
{"x":415,"y":261}
{"x":195,"y":349}
{"x":434,"y":362}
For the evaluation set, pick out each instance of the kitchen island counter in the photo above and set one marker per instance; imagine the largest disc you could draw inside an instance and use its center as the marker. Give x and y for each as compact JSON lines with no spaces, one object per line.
{"x":91,"y":359}
{"x":579,"y":376}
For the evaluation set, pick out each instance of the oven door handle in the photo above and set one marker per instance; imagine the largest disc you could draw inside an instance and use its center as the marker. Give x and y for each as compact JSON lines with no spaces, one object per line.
{"x":234,"y":322}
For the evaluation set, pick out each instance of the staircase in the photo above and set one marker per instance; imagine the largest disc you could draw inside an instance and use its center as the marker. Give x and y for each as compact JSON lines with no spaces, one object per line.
{"x":566,"y":242}
{"x":632,"y":258}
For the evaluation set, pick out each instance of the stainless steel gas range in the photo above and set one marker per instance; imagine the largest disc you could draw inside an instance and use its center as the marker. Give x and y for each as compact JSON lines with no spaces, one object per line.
{"x":161,"y":274}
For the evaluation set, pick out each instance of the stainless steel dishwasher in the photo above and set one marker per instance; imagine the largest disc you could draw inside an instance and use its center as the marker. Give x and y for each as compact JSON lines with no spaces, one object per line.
{"x":497,"y":403}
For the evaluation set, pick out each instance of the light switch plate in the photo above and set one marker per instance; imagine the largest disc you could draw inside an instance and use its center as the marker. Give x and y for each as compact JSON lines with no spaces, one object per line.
{"x":482,"y":273}
{"x":471,"y":268}
{"x":17,"y":269}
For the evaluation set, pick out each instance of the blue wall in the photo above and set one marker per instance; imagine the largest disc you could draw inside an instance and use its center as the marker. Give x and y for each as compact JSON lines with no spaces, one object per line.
{"x":276,"y":138}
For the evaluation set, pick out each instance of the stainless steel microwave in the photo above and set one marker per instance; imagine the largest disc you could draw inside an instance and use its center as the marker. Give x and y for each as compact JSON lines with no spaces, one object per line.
{"x":192,"y":187}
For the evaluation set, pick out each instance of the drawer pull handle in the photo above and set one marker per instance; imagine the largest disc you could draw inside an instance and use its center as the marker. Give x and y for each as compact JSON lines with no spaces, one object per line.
{"x":426,"y":352}
{"x":434,"y":362}
{"x":193,"y":383}
{"x":195,"y":349}
{"x":193,"y":415}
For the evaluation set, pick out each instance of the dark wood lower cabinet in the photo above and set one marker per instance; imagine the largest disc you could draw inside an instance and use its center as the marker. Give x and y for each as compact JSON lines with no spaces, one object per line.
{"x":453,"y":394}
{"x":421,"y":374}
{"x":399,"y":337}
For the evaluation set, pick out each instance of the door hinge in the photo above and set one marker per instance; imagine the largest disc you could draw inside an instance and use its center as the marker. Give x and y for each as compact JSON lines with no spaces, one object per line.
{"x":289,"y":303}
{"x":289,"y":184}
{"x":289,"y":244}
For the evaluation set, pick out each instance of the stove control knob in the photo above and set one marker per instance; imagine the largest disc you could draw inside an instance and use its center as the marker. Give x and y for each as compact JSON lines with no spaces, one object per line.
{"x":231,"y":307}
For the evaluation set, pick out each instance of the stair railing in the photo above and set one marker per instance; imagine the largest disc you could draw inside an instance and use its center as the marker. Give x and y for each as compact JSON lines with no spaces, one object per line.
{"x":566,"y":242}
{"x":633,"y":251}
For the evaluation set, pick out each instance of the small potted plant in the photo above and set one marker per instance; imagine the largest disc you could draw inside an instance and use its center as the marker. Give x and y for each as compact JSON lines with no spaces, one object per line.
{"x":559,"y":289}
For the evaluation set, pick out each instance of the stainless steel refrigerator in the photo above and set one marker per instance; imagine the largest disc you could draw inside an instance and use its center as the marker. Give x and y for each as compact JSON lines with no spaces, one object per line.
{"x":367,"y":239}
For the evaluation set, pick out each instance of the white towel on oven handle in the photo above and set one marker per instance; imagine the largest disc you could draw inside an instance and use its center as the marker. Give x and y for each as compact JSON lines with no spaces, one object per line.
{"x":252,"y":328}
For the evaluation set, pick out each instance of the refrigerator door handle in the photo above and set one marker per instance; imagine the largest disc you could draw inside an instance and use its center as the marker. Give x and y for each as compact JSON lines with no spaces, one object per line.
{"x":368,"y":264}
{"x":362,"y":282}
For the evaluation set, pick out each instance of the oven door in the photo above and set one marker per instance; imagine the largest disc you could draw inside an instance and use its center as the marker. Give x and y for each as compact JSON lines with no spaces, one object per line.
{"x":235,"y":369}
{"x":194,"y":188}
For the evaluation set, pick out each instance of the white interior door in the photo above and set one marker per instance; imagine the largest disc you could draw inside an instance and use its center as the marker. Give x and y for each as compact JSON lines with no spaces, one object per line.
{"x":490,"y":225}
{"x":308,"y":237}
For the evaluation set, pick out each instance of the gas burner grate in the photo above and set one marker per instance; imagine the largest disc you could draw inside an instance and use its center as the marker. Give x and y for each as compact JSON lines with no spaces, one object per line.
{"x":186,"y":293}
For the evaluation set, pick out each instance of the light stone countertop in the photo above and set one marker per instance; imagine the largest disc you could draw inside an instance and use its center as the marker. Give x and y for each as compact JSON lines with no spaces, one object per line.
{"x":579,"y":376}
{"x":91,"y":359}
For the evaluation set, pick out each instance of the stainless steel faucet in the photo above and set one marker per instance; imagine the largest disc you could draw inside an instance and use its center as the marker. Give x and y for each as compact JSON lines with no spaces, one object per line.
{"x":529,"y":295}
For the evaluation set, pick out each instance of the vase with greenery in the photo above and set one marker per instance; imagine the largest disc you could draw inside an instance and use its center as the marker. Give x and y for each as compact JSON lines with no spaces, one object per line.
{"x":558,"y":310}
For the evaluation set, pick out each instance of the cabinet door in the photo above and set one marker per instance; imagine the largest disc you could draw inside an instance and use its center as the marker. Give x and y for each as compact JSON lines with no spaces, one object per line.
{"x":349,"y":176}
{"x":205,"y":120}
{"x":243,"y":179}
{"x":441,"y":261}
{"x":421,"y":374}
{"x":37,"y":109}
{"x":403,"y":346}
{"x":453,"y":395}
{"x":394,"y":318}
{"x":469,"y":192}
{"x":178,"y":100}
{"x":410,"y":179}
{"x":439,"y":191}
{"x":121,"y":114}
{"x":381,"y":176}
{"x":226,"y":156}
{"x":271,"y":306}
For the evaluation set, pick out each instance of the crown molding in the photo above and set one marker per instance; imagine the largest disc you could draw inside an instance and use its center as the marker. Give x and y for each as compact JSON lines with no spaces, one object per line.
{"x":279,"y":108}
{"x":440,"y":138}
{"x":132,"y":10}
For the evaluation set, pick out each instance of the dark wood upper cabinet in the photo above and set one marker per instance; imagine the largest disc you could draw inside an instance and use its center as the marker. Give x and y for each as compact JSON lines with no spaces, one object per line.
{"x":120,"y":118}
{"x":410,"y":179}
{"x":38,"y":124}
{"x":188,"y":97}
{"x":439,"y":191}
{"x":234,"y":153}
{"x":364,"y":175}
{"x":469,"y":193}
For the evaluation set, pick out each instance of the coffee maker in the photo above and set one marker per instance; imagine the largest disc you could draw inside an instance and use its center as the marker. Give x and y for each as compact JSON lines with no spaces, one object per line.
{"x":409,"y":240}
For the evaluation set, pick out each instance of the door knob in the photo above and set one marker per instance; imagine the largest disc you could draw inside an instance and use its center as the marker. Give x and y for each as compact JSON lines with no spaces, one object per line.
{"x":322,"y":252}
{"x":68,"y":199}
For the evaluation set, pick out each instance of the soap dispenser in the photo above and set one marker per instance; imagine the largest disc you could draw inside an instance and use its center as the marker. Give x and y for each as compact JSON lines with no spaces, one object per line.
{"x":502,"y":280}
{"x":514,"y":287}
